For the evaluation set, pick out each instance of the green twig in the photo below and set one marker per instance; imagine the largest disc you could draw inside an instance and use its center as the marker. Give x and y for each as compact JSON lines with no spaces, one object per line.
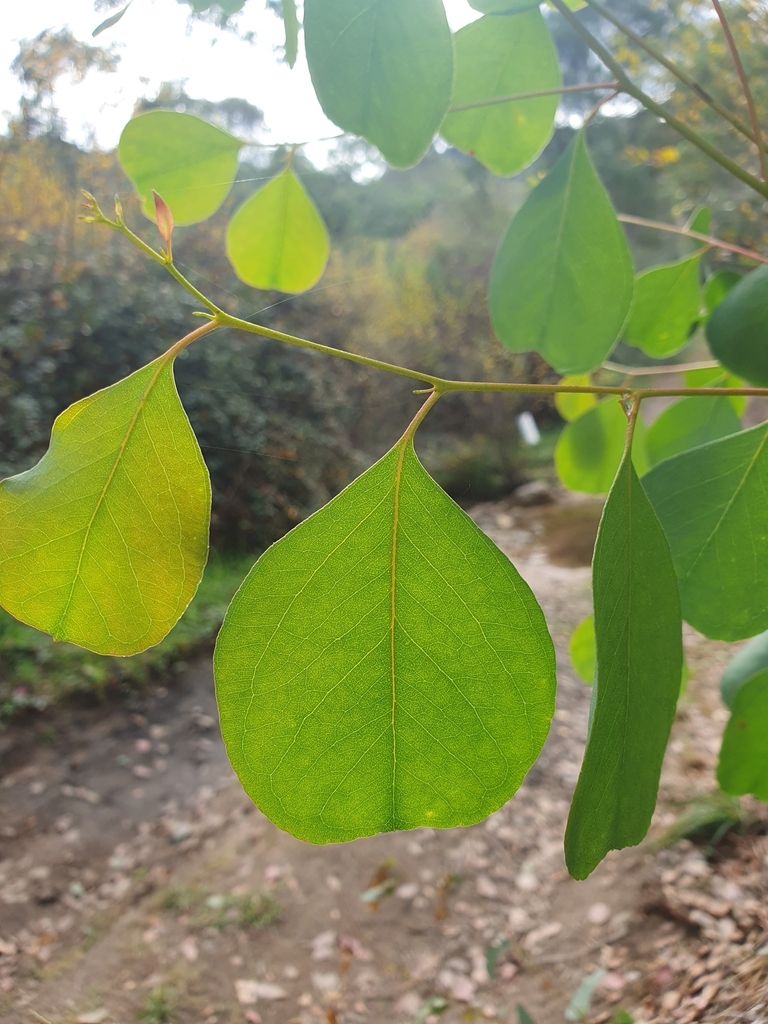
{"x":628,"y":86}
{"x":514,"y":97}
{"x":679,"y":73}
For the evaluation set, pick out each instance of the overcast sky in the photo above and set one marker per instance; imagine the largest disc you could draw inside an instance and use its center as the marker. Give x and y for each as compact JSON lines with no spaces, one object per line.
{"x":156,"y":44}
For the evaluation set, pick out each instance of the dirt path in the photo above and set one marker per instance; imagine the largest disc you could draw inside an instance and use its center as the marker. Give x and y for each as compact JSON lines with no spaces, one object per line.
{"x":135,"y":877}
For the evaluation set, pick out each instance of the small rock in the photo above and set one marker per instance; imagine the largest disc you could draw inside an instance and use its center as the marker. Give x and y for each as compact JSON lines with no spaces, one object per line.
{"x":93,"y":1017}
{"x":599,"y":913}
{"x":189,"y":949}
{"x":324,"y":946}
{"x":252,"y":1017}
{"x":536,"y":492}
{"x":539,"y":935}
{"x":142,"y":746}
{"x":290,"y":972}
{"x":408,"y":1004}
{"x":486,"y":887}
{"x":670,"y":1001}
{"x":142,"y":771}
{"x":81,"y":793}
{"x":407,"y":891}
{"x":463,"y":989}
{"x":333,"y":883}
{"x":249,"y":992}
{"x":325,"y":981}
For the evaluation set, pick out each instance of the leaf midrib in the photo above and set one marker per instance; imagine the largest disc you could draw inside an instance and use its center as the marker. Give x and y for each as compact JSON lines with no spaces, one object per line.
{"x":161,"y":364}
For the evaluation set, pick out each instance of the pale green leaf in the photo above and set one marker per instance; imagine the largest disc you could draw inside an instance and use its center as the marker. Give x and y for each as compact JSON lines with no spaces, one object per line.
{"x":578,"y":1008}
{"x":581,"y":650}
{"x":700,"y":221}
{"x":503,"y":6}
{"x":501,"y":57}
{"x":738,"y":328}
{"x":689,"y":423}
{"x":383,"y":666}
{"x":562,"y":279}
{"x":638,"y":640}
{"x":718,"y":376}
{"x":590,"y":448}
{"x":382,"y":69}
{"x":277,"y":239}
{"x":666,"y":303}
{"x":717,"y":286}
{"x":111,"y":20}
{"x":103,"y":543}
{"x":572,"y":406}
{"x":291,"y":22}
{"x":711,"y":503}
{"x":188,"y":161}
{"x":751,"y":659}
{"x":743,"y":765}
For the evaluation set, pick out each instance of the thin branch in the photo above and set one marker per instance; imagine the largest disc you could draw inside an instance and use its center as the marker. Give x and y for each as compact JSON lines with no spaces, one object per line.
{"x":588,"y":87}
{"x":628,"y":86}
{"x":679,"y":73}
{"x":715,"y":243}
{"x":736,"y":58}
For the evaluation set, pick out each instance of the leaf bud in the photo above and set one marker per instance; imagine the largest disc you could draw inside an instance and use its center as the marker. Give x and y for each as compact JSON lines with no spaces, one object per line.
{"x":164,"y":219}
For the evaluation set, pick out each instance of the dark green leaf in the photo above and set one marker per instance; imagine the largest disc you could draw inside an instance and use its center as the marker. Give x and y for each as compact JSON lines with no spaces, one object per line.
{"x":382,"y":69}
{"x":581,"y":650}
{"x":501,"y":57}
{"x":717,"y":286}
{"x":591,"y":447}
{"x":689,"y":423}
{"x":711,"y":503}
{"x":571,"y":407}
{"x":110,"y":21}
{"x":666,"y":303}
{"x":751,"y":659}
{"x":639,"y":666}
{"x":743,"y":766}
{"x":103,"y":543}
{"x":737,"y":330}
{"x":383,"y":666}
{"x":562,"y":278}
{"x":291,"y":22}
{"x":277,"y":239}
{"x":188,"y":161}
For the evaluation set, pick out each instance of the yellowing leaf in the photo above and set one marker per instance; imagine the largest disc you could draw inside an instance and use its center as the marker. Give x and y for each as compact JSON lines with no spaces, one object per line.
{"x":277,"y":239}
{"x":103,"y":543}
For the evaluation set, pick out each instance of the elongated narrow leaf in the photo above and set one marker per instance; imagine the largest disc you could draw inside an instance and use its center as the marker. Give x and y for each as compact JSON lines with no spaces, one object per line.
{"x":291,"y":22}
{"x":562,"y":279}
{"x":581,"y":650}
{"x":277,"y":239}
{"x":638,"y":639}
{"x":689,"y":423}
{"x":382,"y":69}
{"x":188,"y":161}
{"x":748,"y":662}
{"x":110,"y":21}
{"x":383,"y":666}
{"x":737,"y":330}
{"x":501,"y":57}
{"x":572,"y":406}
{"x":103,"y":543}
{"x":666,"y":303}
{"x":711,"y":503}
{"x":743,"y":765}
{"x":591,"y":447}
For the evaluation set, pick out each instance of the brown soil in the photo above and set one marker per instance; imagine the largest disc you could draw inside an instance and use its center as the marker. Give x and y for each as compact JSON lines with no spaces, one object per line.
{"x":135,"y":877}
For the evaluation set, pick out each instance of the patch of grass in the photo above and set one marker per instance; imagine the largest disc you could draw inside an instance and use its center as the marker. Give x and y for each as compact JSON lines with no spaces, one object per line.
{"x":36,"y":671}
{"x":707,"y":819}
{"x":253,"y":910}
{"x":158,"y":1008}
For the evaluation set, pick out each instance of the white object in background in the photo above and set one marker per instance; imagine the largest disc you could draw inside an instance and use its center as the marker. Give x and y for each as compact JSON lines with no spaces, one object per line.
{"x":529,"y":432}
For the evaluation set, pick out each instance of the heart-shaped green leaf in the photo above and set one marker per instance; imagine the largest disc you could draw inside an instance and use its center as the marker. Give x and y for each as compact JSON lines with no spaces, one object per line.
{"x":501,"y":57}
{"x":383,"y":666}
{"x":737,"y":330}
{"x":103,"y":543}
{"x":711,"y":503}
{"x":277,"y":239}
{"x":638,"y":638}
{"x":188,"y":161}
{"x":571,"y":406}
{"x":382,"y":69}
{"x":562,"y":278}
{"x":667,"y":302}
{"x":743,"y":766}
{"x":689,"y":423}
{"x":590,"y":448}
